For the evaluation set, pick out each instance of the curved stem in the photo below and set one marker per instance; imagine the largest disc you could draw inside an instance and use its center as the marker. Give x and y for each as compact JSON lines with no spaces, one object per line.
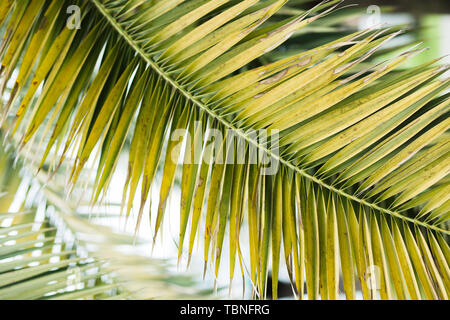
{"x":229,"y":125}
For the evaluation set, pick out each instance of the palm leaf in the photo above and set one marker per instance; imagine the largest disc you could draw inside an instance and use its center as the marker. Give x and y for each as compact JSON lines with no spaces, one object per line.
{"x":357,"y":147}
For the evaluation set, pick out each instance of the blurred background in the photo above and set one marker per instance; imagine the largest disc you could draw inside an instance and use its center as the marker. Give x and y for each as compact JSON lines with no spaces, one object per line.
{"x":429,"y":19}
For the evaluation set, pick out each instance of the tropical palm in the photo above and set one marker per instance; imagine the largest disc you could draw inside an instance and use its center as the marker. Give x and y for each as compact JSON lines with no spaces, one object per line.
{"x":360,"y":153}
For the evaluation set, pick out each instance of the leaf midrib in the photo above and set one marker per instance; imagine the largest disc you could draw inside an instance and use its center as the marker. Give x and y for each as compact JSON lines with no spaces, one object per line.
{"x":124,"y":34}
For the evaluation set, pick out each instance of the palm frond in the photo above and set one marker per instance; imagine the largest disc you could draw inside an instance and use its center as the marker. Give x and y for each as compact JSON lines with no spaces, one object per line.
{"x":357,"y":153}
